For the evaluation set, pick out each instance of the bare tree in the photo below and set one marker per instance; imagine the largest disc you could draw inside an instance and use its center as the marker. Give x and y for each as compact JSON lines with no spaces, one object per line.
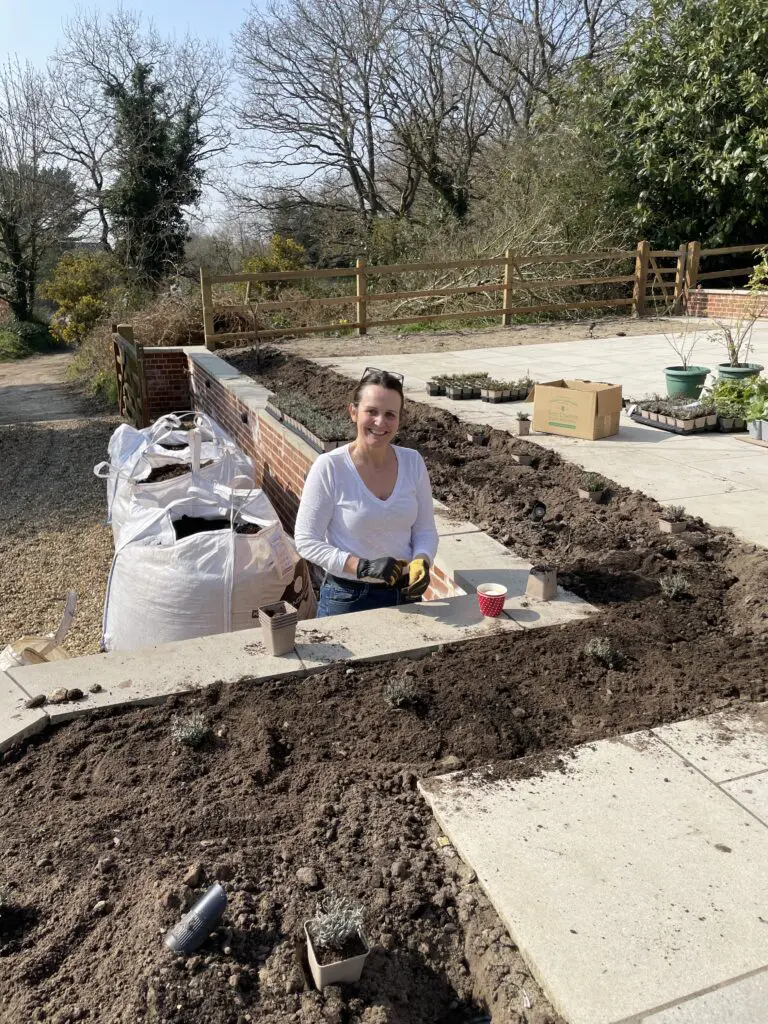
{"x":101,"y":54}
{"x":39,"y":207}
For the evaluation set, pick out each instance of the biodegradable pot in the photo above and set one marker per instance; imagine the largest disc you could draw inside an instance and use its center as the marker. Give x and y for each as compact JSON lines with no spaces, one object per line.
{"x":485,"y":394}
{"x":700,"y":423}
{"x":433,"y":388}
{"x":496,"y":395}
{"x":542,"y":584}
{"x":685,"y":425}
{"x":712,"y":419}
{"x":523,"y":428}
{"x":522,"y":460}
{"x":672,"y":526}
{"x":740,"y":372}
{"x":278,"y":627}
{"x":478,"y":437}
{"x":454,"y":392}
{"x":685,"y":382}
{"x":506,"y":394}
{"x":755,"y":428}
{"x":342,"y":971}
{"x":594,"y":496}
{"x":652,"y":416}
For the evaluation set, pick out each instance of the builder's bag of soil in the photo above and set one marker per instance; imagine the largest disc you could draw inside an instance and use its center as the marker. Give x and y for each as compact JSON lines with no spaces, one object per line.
{"x":154,"y":464}
{"x":203,"y":565}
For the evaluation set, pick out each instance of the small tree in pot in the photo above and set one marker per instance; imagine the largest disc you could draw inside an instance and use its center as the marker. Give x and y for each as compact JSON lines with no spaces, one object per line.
{"x":736,"y":339}
{"x":684,"y":380}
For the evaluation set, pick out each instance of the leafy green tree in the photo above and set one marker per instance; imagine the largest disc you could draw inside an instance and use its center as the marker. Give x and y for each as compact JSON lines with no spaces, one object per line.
{"x":157,"y":156}
{"x":683,"y":122}
{"x":84,"y":286}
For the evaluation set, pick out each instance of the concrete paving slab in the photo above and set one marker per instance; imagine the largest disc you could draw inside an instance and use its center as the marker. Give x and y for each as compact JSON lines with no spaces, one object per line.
{"x":742,"y":511}
{"x":628,"y":880}
{"x":751,"y":792}
{"x":16,"y":721}
{"x":722,"y":746}
{"x":566,"y":607}
{"x":742,"y":1002}
{"x":447,"y":527}
{"x":391,"y":632}
{"x":150,"y":675}
{"x":476,"y":558}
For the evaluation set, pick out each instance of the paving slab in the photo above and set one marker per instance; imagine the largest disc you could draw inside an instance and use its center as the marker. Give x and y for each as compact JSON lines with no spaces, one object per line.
{"x":742,"y":1002}
{"x":150,"y":675}
{"x":722,"y":746}
{"x":628,"y":880}
{"x":16,"y":721}
{"x":475,"y":558}
{"x":751,"y":792}
{"x":391,"y":632}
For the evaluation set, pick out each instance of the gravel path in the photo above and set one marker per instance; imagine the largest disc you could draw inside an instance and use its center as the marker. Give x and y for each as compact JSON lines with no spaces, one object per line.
{"x":51,"y":507}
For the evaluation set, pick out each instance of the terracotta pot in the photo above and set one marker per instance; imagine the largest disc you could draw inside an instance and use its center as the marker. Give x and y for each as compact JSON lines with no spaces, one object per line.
{"x":342,"y":971}
{"x":542,"y":586}
{"x":670,"y":526}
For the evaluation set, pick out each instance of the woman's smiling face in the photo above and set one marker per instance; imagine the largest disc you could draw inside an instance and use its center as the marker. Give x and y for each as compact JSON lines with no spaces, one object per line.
{"x":377,"y":416}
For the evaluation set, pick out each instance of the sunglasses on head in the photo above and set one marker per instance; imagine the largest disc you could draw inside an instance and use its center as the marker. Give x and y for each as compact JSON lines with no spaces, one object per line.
{"x":375,"y":369}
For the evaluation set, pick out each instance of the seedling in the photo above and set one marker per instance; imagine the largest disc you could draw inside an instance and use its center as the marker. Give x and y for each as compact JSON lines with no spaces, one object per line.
{"x":603,"y":649}
{"x":674,"y":514}
{"x":338,"y":919}
{"x":523,"y":415}
{"x":593,"y":483}
{"x":190,"y":731}
{"x":674,"y":586}
{"x":401,"y":693}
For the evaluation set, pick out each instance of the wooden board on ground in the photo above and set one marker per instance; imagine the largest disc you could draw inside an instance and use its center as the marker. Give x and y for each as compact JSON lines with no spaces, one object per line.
{"x":753,"y":440}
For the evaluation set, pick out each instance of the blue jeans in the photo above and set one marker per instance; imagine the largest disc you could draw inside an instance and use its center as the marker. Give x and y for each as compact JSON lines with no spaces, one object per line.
{"x":339,"y":596}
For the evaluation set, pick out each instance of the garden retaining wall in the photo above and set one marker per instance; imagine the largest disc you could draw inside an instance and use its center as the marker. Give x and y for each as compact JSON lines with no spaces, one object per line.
{"x":726,"y":302}
{"x":167,"y":377}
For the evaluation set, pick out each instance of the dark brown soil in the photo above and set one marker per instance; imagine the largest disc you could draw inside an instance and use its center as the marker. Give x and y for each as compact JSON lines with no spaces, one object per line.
{"x":320,"y":774}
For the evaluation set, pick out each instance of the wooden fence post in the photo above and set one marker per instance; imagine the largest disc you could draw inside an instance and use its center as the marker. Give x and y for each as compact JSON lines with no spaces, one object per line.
{"x":208,"y":325}
{"x":641,"y":278}
{"x":506,"y":316}
{"x":361,"y":290}
{"x":691,"y":270}
{"x":680,"y":269}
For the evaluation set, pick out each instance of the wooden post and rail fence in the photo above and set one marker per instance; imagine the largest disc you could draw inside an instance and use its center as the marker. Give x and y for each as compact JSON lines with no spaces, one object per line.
{"x":657,"y":285}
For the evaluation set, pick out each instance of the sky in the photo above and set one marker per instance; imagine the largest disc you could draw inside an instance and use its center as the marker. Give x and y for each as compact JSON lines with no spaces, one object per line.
{"x":33,"y":29}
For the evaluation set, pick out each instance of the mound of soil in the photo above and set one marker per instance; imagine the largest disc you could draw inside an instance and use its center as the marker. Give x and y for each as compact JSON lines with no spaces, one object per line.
{"x":309,"y":785}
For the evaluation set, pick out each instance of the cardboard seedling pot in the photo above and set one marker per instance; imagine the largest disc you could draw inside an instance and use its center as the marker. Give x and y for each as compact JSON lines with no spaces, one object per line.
{"x":670,"y":526}
{"x":278,"y":627}
{"x":342,"y":971}
{"x":542,"y":585}
{"x":523,"y":428}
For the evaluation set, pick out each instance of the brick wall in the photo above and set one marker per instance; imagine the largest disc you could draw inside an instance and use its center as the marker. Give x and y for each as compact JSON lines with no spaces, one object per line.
{"x":282,"y":459}
{"x":726,"y":302}
{"x":167,"y":379}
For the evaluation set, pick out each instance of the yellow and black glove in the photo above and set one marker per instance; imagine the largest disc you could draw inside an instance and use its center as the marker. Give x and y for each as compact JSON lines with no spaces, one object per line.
{"x":387,"y":570}
{"x":418,"y":578}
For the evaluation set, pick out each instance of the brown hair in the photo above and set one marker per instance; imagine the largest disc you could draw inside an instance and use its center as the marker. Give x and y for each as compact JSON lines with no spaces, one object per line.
{"x":384,"y":380}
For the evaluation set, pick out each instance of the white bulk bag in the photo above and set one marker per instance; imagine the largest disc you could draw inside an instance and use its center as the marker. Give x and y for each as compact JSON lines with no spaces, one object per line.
{"x":162,"y":589}
{"x":133,"y":454}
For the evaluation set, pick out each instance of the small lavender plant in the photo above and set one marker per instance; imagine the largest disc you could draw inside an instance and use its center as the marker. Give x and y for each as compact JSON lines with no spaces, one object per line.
{"x":337,"y":920}
{"x":191,"y":730}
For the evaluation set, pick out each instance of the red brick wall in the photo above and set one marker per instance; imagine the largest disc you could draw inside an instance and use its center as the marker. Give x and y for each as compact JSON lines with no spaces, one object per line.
{"x":165,"y":370}
{"x":281,"y":458}
{"x":716,"y":302}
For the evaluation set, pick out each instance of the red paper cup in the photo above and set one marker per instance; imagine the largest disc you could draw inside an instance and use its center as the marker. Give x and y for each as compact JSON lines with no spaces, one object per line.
{"x":491,"y":598}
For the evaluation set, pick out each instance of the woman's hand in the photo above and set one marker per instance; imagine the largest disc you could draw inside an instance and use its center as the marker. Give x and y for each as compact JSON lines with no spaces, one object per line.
{"x":386,"y":569}
{"x":418,"y":577}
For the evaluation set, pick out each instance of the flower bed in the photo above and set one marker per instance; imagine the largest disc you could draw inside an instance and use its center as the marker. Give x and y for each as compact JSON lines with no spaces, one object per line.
{"x":321,"y":431}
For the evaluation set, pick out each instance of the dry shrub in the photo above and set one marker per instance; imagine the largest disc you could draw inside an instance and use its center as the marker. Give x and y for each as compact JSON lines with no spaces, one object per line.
{"x":170,"y":319}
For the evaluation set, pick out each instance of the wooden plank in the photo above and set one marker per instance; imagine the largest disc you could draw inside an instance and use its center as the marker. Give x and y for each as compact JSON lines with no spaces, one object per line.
{"x":731,"y":249}
{"x":641,"y":278}
{"x":551,"y":307}
{"x":576,"y":257}
{"x":691,"y":270}
{"x":360,"y":291}
{"x":282,"y":275}
{"x":506,"y":301}
{"x":274,"y":306}
{"x":406,"y":268}
{"x":663,"y":252}
{"x":750,"y":440}
{"x":682,"y":256}
{"x":739,"y":272}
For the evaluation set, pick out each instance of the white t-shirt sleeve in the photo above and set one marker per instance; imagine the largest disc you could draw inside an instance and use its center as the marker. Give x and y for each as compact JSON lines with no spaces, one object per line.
{"x":314,"y":515}
{"x":424,"y":538}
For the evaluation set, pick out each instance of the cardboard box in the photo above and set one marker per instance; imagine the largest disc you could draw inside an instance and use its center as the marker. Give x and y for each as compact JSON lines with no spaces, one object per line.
{"x":577,"y":408}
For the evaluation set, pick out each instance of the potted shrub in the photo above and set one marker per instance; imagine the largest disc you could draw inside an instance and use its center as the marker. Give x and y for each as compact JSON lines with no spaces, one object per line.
{"x":672,"y":519}
{"x":542,"y":583}
{"x":727,"y":415}
{"x":685,"y":379}
{"x":736,"y":339}
{"x":522,"y":424}
{"x":336,"y":945}
{"x":592,"y":487}
{"x":757,"y":413}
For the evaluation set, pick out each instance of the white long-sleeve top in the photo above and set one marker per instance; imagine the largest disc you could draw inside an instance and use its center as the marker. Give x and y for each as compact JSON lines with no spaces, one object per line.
{"x":338,"y":515}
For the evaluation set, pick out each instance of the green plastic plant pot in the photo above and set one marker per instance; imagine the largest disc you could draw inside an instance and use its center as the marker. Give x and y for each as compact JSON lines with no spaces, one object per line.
{"x":728,"y":372}
{"x":685,"y":382}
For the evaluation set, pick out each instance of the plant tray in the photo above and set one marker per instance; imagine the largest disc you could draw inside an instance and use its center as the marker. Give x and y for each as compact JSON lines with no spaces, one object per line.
{"x":639,"y":418}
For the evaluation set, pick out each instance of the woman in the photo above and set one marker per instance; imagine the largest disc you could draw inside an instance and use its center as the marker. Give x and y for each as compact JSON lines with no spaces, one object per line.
{"x":366,"y":511}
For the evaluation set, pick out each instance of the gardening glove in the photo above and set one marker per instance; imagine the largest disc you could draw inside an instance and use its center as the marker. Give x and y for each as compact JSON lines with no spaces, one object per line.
{"x":418,"y":578}
{"x":386,"y":569}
